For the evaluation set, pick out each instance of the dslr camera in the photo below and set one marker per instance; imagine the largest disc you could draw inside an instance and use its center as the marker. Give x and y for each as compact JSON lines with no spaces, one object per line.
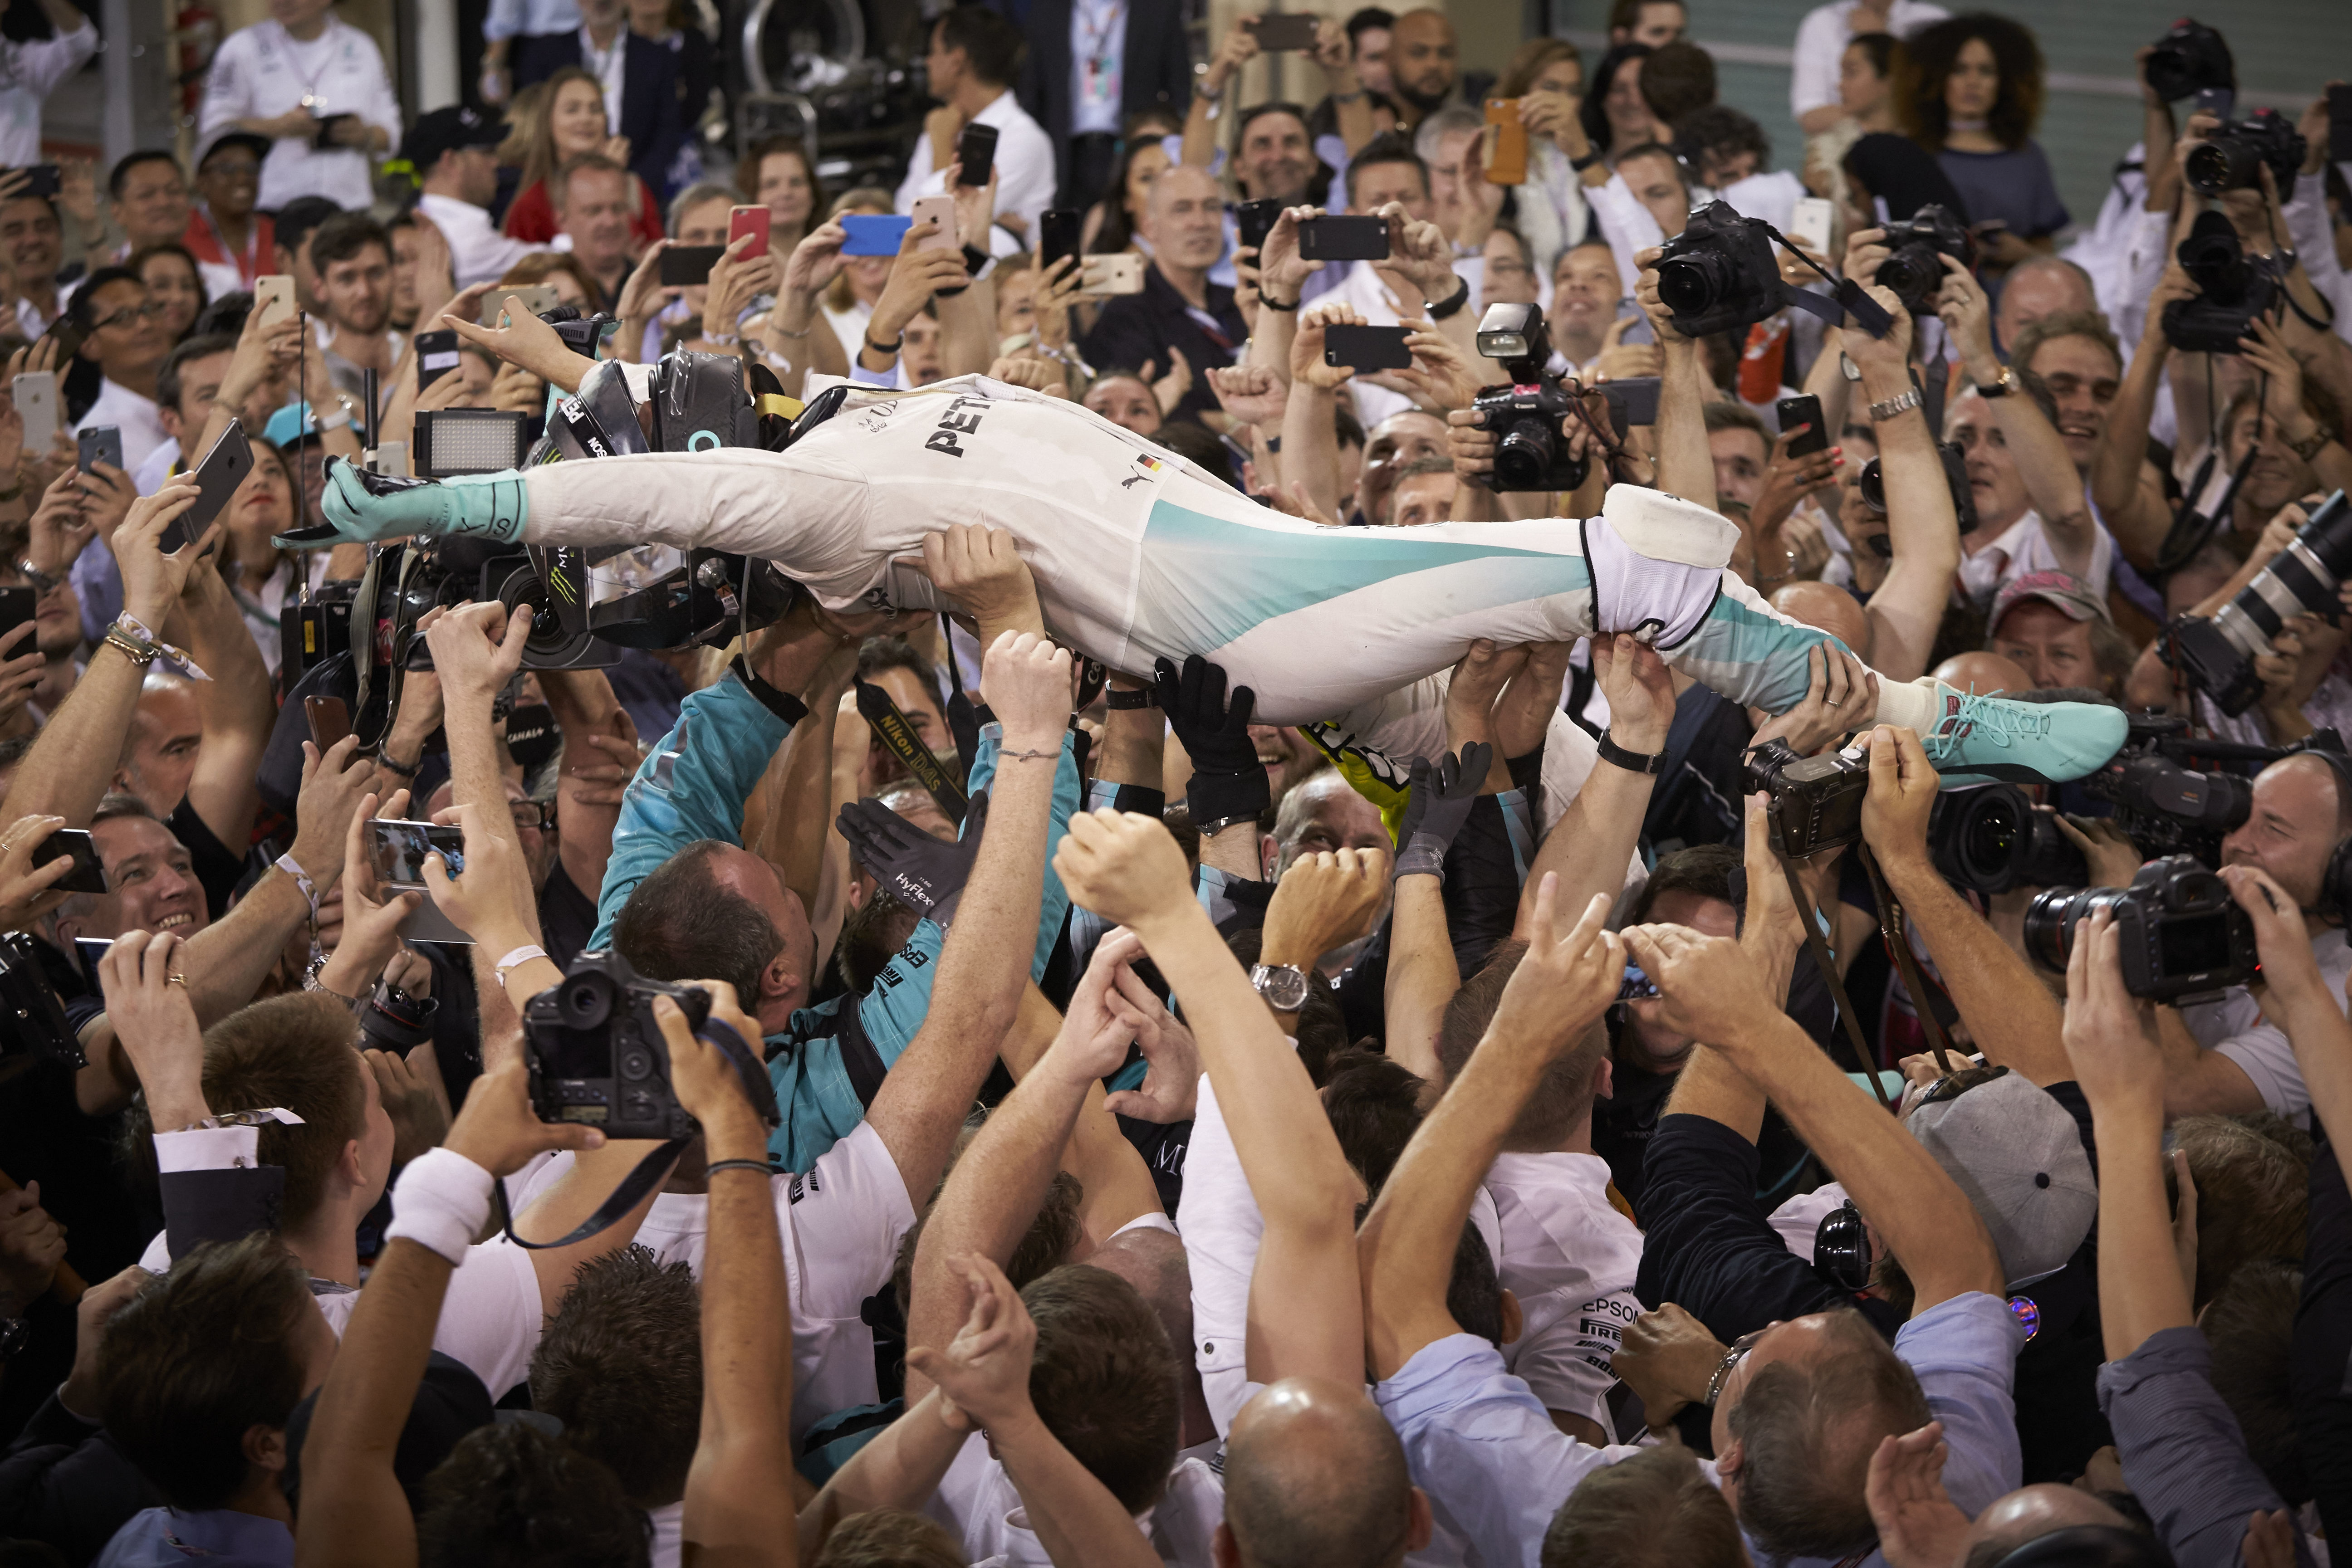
{"x":2233,"y":289}
{"x":1816,"y":802}
{"x":1719,"y":273}
{"x":1914,"y":271}
{"x":1528,"y":415}
{"x":32,"y":1019}
{"x":2217,"y":654}
{"x":1872,"y":486}
{"x":597,"y":1055}
{"x":2189,"y":59}
{"x":2232,"y":158}
{"x":2182,"y":934}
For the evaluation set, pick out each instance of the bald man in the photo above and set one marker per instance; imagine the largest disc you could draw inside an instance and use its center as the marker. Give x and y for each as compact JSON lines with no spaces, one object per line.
{"x":1983,"y":673}
{"x":1185,"y":221}
{"x":2044,"y":285}
{"x":1424,"y":63}
{"x":2031,"y":1512}
{"x":1314,"y":1474}
{"x":1827,"y":608}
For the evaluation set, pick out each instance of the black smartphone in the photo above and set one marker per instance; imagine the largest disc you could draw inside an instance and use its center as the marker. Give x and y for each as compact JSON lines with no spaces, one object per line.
{"x":1058,"y":235}
{"x":397,"y":850}
{"x":88,"y":876}
{"x":1287,"y":30}
{"x":1343,"y":238}
{"x":17,"y":606}
{"x":436,"y":356}
{"x":217,"y":478}
{"x":99,"y":443}
{"x":976,"y":150}
{"x":2339,"y":124}
{"x":1805,"y":411}
{"x":90,"y":950}
{"x":1253,"y":221}
{"x":1363,"y":349}
{"x":324,"y":126}
{"x":688,"y":265}
{"x":1631,"y":401}
{"x":46,"y":180}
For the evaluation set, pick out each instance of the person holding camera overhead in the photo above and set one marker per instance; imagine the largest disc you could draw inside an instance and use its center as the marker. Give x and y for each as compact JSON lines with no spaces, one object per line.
{"x":316,"y":87}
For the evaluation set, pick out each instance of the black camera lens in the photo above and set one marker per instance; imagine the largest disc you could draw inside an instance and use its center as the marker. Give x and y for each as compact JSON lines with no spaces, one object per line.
{"x":1990,"y":839}
{"x":2223,"y":164}
{"x":1692,"y":284}
{"x":1525,"y":454}
{"x":2050,"y":920}
{"x":395,"y":1020}
{"x":2189,"y":59}
{"x":585,"y":1001}
{"x":1872,"y":485}
{"x":1914,"y":274}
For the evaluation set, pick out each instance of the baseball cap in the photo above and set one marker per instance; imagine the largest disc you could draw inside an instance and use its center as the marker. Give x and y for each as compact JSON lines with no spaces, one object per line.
{"x":2017,"y":1154}
{"x":252,"y":142}
{"x":2071,"y":595}
{"x":447,"y":131}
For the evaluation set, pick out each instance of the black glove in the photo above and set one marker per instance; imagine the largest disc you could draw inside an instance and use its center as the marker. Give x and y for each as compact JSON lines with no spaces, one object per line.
{"x":1440,"y":803}
{"x":925,"y":873}
{"x":1228,"y":780}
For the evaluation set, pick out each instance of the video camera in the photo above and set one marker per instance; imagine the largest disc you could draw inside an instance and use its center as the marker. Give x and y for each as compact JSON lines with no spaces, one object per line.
{"x":2218,"y":653}
{"x":2231,"y":159}
{"x":1990,"y":838}
{"x":2182,"y":932}
{"x":1527,"y":416}
{"x":2233,"y":289}
{"x":2162,"y":805}
{"x":597,"y":1055}
{"x":1913,"y":270}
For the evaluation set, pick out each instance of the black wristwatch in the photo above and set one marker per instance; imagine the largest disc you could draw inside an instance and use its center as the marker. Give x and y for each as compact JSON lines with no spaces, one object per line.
{"x":1631,"y":761}
{"x":1124,"y":701}
{"x":1587,"y":161}
{"x":1452,"y":305}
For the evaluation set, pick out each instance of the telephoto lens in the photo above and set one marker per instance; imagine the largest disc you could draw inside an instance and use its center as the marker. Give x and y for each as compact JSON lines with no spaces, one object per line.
{"x":2182,"y":934}
{"x":2217,"y":654}
{"x":1990,"y":839}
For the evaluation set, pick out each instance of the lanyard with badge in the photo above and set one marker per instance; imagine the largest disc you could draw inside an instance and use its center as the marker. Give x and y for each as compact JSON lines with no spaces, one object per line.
{"x":1099,"y":66}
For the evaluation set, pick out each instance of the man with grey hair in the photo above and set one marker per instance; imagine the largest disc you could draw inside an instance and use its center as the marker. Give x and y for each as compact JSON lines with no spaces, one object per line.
{"x":1448,"y":142}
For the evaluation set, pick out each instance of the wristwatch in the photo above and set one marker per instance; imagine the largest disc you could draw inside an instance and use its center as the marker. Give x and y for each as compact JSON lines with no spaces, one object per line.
{"x":2001,"y":385}
{"x":1284,"y":986}
{"x":1631,"y":761}
{"x":1880,"y":412}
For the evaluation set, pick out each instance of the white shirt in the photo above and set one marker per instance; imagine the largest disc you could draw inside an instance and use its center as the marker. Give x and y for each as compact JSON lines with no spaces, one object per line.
{"x":978,"y":1500}
{"x":509,"y":18}
{"x":29,"y":319}
{"x":1821,"y":39}
{"x":840,"y":1226}
{"x":148,"y":476}
{"x":30,"y":72}
{"x":2233,"y":1025}
{"x":1570,"y":1259}
{"x":140,"y":419}
{"x":477,"y":251}
{"x":608,"y":66}
{"x":669,"y":1533}
{"x":2022,"y":547}
{"x":1364,"y":289}
{"x":1025,"y":166}
{"x":263,"y":70}
{"x":1097,"y":62}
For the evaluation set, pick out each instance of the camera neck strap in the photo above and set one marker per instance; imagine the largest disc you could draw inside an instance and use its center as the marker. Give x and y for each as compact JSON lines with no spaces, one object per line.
{"x":648,"y":1175}
{"x":1827,"y":964}
{"x":1891,"y":926}
{"x":1846,"y":298}
{"x":891,"y":728}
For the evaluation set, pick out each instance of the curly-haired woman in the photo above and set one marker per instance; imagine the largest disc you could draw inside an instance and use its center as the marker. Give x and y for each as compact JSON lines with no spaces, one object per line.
{"x":1969,"y":91}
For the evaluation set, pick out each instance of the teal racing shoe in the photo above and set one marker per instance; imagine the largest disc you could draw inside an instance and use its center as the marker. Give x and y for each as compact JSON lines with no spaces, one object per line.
{"x":361,"y":507}
{"x":1979,"y":738}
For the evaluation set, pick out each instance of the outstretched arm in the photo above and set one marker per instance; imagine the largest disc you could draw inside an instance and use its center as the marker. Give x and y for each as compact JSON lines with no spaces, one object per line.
{"x":1922,"y":525}
{"x":1305,"y":1314}
{"x":1685,"y":467}
{"x":1406,"y":1248}
{"x":1594,"y":841}
{"x":235,"y":705}
{"x":2011,"y":1015}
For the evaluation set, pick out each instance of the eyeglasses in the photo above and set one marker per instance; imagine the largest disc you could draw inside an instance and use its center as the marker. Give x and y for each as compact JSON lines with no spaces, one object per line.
{"x":153,"y":310}
{"x":532,"y":816}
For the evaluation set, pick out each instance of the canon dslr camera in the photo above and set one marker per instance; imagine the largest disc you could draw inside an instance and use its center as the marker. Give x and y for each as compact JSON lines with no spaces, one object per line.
{"x":1528,"y":416}
{"x":1914,"y":269}
{"x":597,"y":1055}
{"x":2182,"y":932}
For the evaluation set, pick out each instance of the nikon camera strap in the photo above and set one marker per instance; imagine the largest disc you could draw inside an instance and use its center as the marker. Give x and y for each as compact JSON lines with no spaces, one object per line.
{"x":1890,"y":926}
{"x":891,"y":728}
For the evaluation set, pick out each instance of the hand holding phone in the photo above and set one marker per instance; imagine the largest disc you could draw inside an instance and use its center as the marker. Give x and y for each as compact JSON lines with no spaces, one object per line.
{"x":752,"y":221}
{"x":75,"y":843}
{"x":976,"y":150}
{"x":1805,"y":411}
{"x":688,"y":265}
{"x":1287,"y":30}
{"x":1365,"y":348}
{"x":940,"y":212}
{"x":871,"y":234}
{"x":1343,"y":237}
{"x":273,"y":298}
{"x":99,"y":443}
{"x":217,"y":477}
{"x":436,"y":356}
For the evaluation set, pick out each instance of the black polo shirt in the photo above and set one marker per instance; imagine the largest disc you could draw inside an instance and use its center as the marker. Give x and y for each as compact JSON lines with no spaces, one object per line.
{"x":1136,"y":330}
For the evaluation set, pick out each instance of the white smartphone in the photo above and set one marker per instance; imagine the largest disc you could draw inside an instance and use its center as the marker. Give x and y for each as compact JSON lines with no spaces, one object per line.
{"x":1118,"y":273}
{"x":1811,"y":223}
{"x":940,"y":209}
{"x":36,"y":393}
{"x":273,"y":298}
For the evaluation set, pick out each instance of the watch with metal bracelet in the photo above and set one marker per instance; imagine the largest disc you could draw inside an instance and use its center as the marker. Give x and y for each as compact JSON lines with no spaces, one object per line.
{"x":1284,"y":986}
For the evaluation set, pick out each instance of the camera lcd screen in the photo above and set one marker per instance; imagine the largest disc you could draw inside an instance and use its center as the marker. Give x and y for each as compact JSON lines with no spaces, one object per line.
{"x":397,"y":850}
{"x":2195,"y":946}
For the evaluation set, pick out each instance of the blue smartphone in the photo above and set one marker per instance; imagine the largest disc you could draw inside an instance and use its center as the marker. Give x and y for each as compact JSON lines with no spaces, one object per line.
{"x":871,"y":235}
